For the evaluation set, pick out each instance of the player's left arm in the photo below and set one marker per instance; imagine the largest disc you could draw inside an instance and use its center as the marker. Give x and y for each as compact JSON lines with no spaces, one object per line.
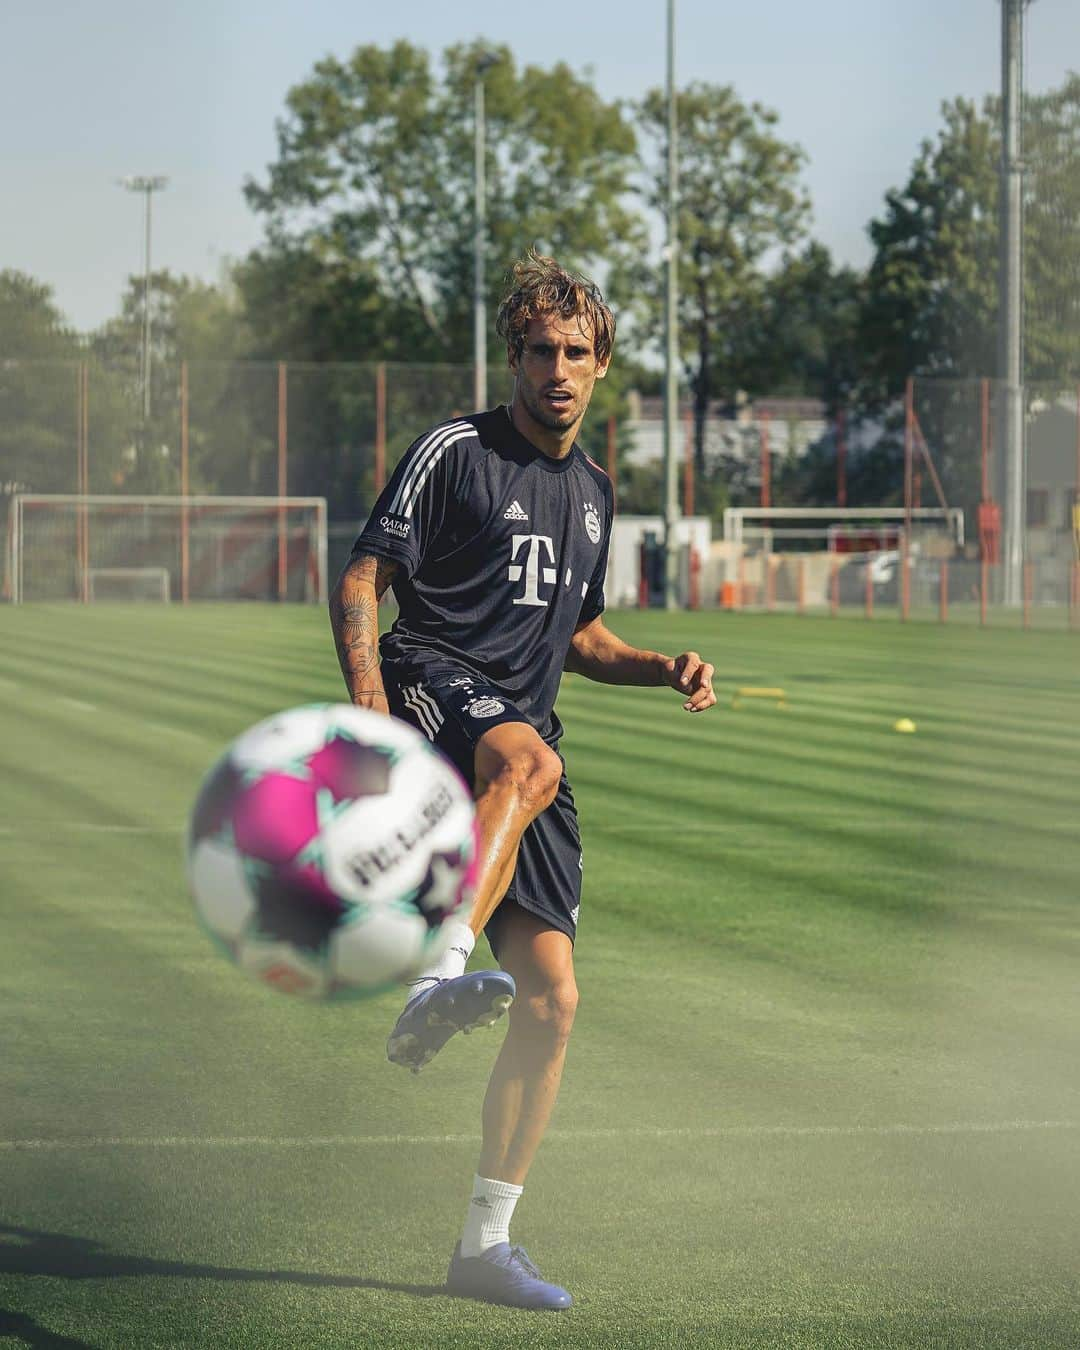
{"x":598,"y":654}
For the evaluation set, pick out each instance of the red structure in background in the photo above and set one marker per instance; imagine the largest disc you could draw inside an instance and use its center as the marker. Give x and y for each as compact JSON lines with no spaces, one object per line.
{"x":611,"y":454}
{"x":989,"y":516}
{"x":688,"y":466}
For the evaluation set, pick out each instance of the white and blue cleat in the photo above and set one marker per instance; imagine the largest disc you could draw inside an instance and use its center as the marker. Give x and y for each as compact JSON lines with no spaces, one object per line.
{"x":503,"y":1274}
{"x":463,"y":1004}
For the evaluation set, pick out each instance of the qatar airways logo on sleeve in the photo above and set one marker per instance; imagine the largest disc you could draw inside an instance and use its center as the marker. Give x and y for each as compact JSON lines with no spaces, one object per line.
{"x":530,"y":555}
{"x":395,"y":526}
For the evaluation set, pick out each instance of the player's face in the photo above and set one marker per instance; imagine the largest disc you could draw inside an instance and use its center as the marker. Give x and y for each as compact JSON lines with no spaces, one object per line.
{"x":556,"y":371}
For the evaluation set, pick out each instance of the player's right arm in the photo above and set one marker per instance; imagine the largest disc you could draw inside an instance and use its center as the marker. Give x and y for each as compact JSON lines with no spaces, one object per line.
{"x":354,"y":618}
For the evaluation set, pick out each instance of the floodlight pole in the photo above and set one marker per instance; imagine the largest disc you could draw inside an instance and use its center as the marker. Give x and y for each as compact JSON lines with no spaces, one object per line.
{"x":1010,"y":361}
{"x":484,"y":62}
{"x":148,"y":186}
{"x":671,"y":331}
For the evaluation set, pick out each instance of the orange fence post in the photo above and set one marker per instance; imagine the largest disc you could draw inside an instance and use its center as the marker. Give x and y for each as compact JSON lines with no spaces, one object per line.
{"x":909,"y":452}
{"x":380,"y":427}
{"x":282,"y":479}
{"x":905,"y":581}
{"x":943,"y":591}
{"x":185,"y":487}
{"x":870,"y":589}
{"x":688,"y":467}
{"x":611,"y":452}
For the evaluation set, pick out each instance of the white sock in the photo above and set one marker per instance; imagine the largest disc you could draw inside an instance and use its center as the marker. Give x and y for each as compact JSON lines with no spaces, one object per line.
{"x":452,"y":962}
{"x":487,"y":1219}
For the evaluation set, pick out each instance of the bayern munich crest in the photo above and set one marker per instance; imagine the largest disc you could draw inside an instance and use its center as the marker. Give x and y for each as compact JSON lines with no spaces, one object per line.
{"x":592,"y":523}
{"x":486,"y":707}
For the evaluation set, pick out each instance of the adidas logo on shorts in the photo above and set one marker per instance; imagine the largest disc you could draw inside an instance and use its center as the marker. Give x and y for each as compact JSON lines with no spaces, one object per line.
{"x":514,"y":511}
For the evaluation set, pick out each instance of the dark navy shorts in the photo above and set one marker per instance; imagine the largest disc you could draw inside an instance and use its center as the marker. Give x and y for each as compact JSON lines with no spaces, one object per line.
{"x":453,"y":710}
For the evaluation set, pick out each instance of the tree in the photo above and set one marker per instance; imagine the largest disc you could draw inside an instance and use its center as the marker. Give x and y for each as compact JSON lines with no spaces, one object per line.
{"x":740,"y":203}
{"x":931,"y":291}
{"x":931,"y":298}
{"x":39,"y":355}
{"x":231,"y":413}
{"x":931,"y":302}
{"x":806,"y":340}
{"x":373,"y":181}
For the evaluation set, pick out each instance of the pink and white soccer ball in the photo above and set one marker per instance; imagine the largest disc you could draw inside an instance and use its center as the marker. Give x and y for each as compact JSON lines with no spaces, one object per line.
{"x":327,"y":848}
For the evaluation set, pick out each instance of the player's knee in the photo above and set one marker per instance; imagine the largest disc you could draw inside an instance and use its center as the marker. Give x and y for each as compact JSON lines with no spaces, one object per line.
{"x":534,"y":775}
{"x":551,"y":1013}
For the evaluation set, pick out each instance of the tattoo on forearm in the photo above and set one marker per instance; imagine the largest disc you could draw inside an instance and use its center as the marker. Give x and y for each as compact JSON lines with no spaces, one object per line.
{"x":354,"y":618}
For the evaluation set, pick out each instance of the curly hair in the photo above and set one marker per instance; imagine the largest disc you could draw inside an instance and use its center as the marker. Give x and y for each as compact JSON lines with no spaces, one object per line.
{"x":541,"y":287}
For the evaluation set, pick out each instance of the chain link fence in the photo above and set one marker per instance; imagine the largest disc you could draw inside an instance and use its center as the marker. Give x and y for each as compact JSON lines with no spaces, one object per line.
{"x":275,"y":429}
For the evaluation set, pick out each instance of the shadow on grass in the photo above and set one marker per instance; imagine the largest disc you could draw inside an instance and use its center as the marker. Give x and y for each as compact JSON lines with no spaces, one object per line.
{"x":73,"y":1258}
{"x":24,"y":1327}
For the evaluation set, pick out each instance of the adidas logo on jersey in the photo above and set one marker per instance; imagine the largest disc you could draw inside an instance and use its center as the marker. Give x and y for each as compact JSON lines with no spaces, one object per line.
{"x":514,"y":511}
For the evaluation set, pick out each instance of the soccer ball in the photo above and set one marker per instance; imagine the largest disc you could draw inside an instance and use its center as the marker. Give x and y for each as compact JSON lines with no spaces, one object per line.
{"x":327,"y":848}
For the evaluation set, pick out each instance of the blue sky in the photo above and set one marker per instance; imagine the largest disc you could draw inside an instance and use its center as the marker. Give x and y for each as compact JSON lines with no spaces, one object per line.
{"x":91,"y":92}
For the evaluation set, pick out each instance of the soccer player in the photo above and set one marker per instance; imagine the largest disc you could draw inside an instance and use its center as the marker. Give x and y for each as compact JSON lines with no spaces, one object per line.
{"x":493,"y":532}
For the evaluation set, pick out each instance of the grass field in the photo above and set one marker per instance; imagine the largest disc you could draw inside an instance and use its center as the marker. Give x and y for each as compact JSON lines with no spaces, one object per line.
{"x":823,"y":1090}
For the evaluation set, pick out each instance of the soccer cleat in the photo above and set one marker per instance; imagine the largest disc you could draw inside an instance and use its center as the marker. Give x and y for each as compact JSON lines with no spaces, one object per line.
{"x":503,"y":1274}
{"x":432,"y":1017}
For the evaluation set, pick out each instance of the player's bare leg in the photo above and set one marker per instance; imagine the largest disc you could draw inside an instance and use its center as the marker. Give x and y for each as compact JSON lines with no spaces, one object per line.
{"x":517,"y":777}
{"x":520,"y":1097}
{"x":525,"y":1081}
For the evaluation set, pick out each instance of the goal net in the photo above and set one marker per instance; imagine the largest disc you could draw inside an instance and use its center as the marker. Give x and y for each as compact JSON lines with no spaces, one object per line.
{"x":855,"y":529}
{"x":94,"y":549}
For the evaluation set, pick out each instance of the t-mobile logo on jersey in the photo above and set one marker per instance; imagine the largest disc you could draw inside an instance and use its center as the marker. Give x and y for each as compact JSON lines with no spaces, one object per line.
{"x":534,"y":544}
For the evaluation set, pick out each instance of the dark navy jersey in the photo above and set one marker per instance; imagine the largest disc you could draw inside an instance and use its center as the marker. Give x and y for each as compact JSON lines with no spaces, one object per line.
{"x":501,"y":552}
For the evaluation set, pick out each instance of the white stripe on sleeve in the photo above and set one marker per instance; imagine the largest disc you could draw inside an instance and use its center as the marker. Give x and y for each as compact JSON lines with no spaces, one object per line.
{"x":421,"y":477}
{"x":420,"y":457}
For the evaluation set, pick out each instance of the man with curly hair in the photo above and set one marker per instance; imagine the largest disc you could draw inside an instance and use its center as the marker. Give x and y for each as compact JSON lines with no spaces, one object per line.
{"x":493,"y":533}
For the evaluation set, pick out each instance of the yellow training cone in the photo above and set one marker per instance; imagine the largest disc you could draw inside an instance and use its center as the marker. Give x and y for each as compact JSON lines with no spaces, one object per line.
{"x":905,"y":724}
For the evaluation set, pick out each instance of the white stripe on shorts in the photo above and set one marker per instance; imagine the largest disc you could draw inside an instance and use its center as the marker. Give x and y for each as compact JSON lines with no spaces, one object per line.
{"x":426,"y":710}
{"x":433,"y":708}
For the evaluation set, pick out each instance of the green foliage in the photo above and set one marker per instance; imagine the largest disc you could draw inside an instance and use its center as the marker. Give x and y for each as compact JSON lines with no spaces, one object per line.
{"x":39,"y":357}
{"x":739,"y":202}
{"x":805,"y":338}
{"x":931,"y":292}
{"x":190,"y":321}
{"x":374,"y":182}
{"x":932,"y":289}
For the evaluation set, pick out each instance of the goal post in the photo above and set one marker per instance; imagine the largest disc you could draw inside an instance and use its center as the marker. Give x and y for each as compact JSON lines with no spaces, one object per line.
{"x":95,"y":548}
{"x":742,"y":523}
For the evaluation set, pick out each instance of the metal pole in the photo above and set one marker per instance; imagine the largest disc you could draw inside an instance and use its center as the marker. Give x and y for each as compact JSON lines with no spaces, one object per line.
{"x":147,"y":186}
{"x":480,"y":395}
{"x":1011,"y":313}
{"x":671,"y":377}
{"x":149,"y":192}
{"x":185,"y":488}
